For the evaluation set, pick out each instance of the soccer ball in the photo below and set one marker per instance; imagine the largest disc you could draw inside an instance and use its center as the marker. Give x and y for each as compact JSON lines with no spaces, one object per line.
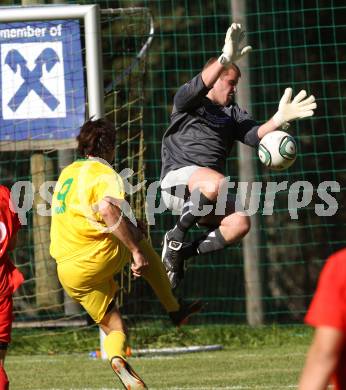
{"x":277,"y":150}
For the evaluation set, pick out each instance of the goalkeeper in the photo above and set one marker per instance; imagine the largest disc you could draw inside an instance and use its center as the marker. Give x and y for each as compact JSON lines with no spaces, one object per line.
{"x":91,"y":241}
{"x":205,"y":123}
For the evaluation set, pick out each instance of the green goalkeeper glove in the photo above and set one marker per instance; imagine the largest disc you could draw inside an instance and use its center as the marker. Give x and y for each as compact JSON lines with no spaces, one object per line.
{"x":231,"y":51}
{"x":298,"y":108}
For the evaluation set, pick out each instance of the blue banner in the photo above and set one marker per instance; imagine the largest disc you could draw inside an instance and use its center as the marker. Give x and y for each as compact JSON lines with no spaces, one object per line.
{"x":41,"y":80}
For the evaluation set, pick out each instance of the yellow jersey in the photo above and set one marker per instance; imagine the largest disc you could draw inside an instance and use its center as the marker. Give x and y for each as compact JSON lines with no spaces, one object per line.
{"x":77,"y":229}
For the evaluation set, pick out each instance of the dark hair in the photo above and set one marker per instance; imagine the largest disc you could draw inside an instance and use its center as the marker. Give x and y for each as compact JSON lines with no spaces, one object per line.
{"x":96,"y":138}
{"x":233,"y":66}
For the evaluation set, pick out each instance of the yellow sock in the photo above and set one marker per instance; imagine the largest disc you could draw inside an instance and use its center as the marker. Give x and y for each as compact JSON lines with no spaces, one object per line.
{"x":114,"y":344}
{"x":156,"y":276}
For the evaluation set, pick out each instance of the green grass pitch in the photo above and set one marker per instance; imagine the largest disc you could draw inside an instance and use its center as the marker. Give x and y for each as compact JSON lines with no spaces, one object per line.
{"x":254,"y":368}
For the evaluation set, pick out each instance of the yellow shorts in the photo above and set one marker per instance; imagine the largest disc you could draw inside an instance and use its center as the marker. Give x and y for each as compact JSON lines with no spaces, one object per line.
{"x":91,"y":281}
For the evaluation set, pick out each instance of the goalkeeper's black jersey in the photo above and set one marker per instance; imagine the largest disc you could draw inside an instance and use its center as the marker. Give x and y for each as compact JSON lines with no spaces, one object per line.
{"x":202,"y":132}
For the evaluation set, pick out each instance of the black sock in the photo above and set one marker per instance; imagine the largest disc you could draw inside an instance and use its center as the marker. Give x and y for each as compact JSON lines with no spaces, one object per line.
{"x":194,"y":203}
{"x":209,"y":242}
{"x":189,"y":249}
{"x":213,"y":242}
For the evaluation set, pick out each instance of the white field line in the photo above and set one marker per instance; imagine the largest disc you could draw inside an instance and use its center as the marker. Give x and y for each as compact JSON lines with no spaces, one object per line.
{"x":51,"y":359}
{"x":192,"y":388}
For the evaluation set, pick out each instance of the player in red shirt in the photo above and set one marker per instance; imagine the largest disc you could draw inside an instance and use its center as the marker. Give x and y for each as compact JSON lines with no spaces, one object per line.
{"x":326,"y":360}
{"x":10,"y":277}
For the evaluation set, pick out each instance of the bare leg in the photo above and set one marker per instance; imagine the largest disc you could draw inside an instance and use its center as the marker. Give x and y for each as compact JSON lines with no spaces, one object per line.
{"x":4,"y":383}
{"x":114,"y":344}
{"x":322,"y":358}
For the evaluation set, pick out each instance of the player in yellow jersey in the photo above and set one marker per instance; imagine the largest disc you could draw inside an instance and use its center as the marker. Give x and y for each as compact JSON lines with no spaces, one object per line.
{"x":91,"y":241}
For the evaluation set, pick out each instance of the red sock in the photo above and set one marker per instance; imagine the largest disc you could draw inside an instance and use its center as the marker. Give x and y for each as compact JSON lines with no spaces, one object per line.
{"x":4,"y":383}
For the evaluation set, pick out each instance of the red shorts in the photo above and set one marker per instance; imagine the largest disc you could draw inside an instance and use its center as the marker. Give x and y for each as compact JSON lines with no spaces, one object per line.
{"x":6,"y":318}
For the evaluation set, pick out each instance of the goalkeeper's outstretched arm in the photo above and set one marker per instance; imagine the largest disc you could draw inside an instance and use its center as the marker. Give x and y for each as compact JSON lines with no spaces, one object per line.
{"x":231,"y":53}
{"x":298,"y":108}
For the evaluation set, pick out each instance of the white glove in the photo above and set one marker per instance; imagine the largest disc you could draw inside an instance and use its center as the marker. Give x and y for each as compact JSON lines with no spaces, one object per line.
{"x":231,"y":51}
{"x":298,"y":108}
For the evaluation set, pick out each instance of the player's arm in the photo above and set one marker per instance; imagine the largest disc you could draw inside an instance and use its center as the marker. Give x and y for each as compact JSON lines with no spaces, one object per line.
{"x":189,"y":95}
{"x":298,"y":108}
{"x":246,"y":128}
{"x":110,"y":211}
{"x":322,"y":358}
{"x":211,"y":73}
{"x":231,"y":53}
{"x":266,"y":128}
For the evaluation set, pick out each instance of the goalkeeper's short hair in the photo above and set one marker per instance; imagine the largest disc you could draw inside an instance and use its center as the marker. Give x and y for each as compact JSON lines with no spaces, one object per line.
{"x":96,"y":138}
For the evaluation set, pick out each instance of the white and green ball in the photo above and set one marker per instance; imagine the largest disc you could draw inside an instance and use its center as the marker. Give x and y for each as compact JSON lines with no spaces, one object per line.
{"x":277,"y":150}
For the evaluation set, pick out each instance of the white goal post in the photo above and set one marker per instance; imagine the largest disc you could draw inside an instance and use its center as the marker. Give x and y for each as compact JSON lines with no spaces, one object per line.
{"x":91,"y":17}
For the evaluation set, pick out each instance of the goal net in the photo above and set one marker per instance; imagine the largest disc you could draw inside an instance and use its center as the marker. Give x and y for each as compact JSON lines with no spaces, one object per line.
{"x":126,"y":35}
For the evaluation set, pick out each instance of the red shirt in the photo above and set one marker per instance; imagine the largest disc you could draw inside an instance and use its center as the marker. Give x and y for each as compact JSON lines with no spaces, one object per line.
{"x":328,"y":307}
{"x":10,"y":277}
